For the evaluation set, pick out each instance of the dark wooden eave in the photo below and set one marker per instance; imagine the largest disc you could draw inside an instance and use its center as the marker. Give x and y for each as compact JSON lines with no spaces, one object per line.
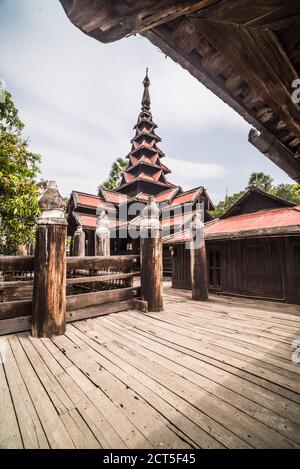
{"x":246,"y":52}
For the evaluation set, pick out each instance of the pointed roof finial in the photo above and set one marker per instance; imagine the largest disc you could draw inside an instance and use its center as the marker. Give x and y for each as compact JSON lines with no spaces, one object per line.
{"x":146,"y":96}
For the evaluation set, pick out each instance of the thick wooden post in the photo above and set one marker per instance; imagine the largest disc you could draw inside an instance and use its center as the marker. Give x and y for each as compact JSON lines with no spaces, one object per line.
{"x":198,"y":260}
{"x":49,"y":286}
{"x":79,"y":242}
{"x":151,"y":257}
{"x":102,"y":236}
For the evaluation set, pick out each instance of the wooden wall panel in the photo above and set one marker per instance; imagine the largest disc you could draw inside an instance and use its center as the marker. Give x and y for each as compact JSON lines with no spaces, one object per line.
{"x":292,"y":268}
{"x":259,"y":267}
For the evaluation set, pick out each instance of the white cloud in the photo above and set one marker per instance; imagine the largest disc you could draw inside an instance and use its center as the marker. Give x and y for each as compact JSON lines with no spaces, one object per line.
{"x":188,"y":174}
{"x":80,"y":98}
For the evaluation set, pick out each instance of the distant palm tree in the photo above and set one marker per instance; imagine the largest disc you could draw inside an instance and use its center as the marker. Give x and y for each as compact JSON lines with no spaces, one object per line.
{"x":114,"y":178}
{"x":261,"y":180}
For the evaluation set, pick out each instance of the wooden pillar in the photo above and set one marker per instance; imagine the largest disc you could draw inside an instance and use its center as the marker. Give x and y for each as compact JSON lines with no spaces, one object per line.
{"x":102,"y":236}
{"x":79,"y":242}
{"x":198,"y":260}
{"x":151,"y":257}
{"x":49,"y":286}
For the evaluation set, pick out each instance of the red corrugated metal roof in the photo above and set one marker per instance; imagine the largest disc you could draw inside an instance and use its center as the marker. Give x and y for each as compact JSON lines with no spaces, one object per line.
{"x":249,"y":224}
{"x":263,"y":219}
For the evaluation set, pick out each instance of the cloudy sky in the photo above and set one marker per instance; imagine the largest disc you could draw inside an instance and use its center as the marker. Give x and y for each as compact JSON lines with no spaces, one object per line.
{"x":79,"y":100}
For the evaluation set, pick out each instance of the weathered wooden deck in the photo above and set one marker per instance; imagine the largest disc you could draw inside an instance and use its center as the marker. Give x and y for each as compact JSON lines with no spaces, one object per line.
{"x":208,"y":375}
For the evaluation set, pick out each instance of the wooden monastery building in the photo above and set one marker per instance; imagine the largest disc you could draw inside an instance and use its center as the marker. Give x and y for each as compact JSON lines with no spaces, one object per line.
{"x":252,"y":250}
{"x":146,"y":175}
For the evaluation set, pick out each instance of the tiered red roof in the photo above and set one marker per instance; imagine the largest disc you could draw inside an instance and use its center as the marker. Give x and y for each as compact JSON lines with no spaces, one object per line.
{"x":90,"y":201}
{"x":90,"y":221}
{"x":145,"y":175}
{"x":145,"y":172}
{"x":185,"y":198}
{"x":113,"y":197}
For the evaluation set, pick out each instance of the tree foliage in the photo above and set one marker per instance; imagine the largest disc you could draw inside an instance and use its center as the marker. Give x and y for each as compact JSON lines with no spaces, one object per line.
{"x":225,"y":204}
{"x":261,"y":181}
{"x":19,"y":190}
{"x":114,"y":178}
{"x":290,"y":192}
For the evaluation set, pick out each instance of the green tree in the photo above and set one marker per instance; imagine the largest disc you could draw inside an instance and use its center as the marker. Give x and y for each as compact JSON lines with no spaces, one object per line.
{"x":289,"y":192}
{"x":19,"y":190}
{"x":261,"y":181}
{"x":114,"y":178}
{"x":225,"y":205}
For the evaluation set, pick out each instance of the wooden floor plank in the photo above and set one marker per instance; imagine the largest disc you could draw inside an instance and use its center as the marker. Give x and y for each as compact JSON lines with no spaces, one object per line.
{"x":230,"y":353}
{"x":184,"y":427}
{"x":56,"y":432}
{"x":209,"y":392}
{"x":214,"y":374}
{"x":32,"y":432}
{"x":75,"y":382}
{"x":204,"y":422}
{"x":252,"y":391}
{"x":97,"y":392}
{"x":10,"y":436}
{"x":253,"y":348}
{"x":143,"y":417}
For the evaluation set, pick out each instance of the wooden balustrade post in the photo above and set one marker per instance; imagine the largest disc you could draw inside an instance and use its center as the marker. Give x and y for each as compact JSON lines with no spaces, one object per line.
{"x":102,"y":235}
{"x":49,"y":286}
{"x":79,"y":242}
{"x":151,"y":257}
{"x":198,"y":260}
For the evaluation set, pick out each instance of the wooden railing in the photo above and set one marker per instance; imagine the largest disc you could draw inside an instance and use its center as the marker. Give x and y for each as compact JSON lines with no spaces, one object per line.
{"x":100,"y":285}
{"x":16,"y":293}
{"x":95,"y":286}
{"x":71,"y":288}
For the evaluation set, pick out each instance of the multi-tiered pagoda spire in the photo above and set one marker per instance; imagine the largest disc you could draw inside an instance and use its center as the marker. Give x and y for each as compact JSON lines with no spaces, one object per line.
{"x":145,"y":172}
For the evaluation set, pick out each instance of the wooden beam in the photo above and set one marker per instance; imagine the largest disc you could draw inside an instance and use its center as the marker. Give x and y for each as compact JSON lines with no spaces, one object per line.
{"x":267,"y":144}
{"x":85,"y":300}
{"x":261,"y":60}
{"x":272,"y":14}
{"x":100,"y":278}
{"x":13,"y":325}
{"x":16,"y":263}
{"x":22,"y":323}
{"x":16,"y":284}
{"x":99,"y":310}
{"x":110,"y":21}
{"x":13,"y":309}
{"x":140,"y":305}
{"x":162,"y":38}
{"x":101,"y":262}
